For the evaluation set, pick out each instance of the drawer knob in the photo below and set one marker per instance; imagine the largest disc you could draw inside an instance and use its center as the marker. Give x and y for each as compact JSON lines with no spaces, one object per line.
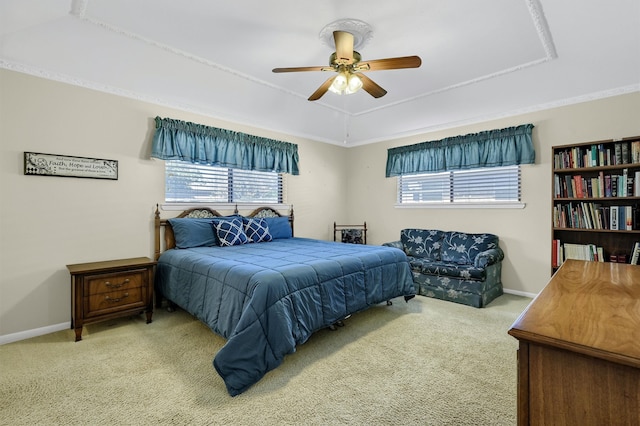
{"x":112,"y":285}
{"x":115,"y":299}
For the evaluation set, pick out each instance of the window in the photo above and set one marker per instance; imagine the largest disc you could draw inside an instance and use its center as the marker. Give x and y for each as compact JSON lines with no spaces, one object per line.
{"x":492,"y":185}
{"x":186,"y":182}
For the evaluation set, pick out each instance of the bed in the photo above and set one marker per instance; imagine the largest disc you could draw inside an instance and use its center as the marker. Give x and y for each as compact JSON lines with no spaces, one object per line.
{"x":270,"y":292}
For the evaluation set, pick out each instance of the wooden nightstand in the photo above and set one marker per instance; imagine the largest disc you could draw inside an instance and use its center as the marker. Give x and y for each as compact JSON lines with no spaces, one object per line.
{"x":110,"y":289}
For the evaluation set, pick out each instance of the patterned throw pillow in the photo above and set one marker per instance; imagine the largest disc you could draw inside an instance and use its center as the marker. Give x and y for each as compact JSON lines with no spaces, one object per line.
{"x":256,"y":230}
{"x":352,"y":236}
{"x":462,"y":248}
{"x":230,"y":232}
{"x":424,"y":243}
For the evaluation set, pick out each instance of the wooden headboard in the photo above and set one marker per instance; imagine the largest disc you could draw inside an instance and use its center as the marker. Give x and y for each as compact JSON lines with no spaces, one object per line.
{"x":164,"y":232}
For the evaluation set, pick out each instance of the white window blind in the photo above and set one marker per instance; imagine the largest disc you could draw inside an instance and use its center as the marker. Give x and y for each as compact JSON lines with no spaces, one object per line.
{"x":186,"y":182}
{"x":479,"y":186}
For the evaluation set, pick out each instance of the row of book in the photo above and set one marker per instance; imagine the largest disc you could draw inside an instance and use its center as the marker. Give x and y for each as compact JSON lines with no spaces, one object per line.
{"x":563,"y":251}
{"x":603,"y":186}
{"x":598,"y":155}
{"x":590,"y":252}
{"x":585,"y":215}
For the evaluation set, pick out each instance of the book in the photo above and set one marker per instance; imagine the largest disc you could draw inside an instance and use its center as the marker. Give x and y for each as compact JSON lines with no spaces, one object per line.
{"x":579,"y":190}
{"x":601,"y":154}
{"x":586,"y":219}
{"x":613,"y":220}
{"x":595,"y":214}
{"x":626,"y":158}
{"x":628,"y":216}
{"x":635,"y":253}
{"x":635,"y":152}
{"x":622,"y":186}
{"x":606,"y":216}
{"x":569,"y":186}
{"x":622,"y":218}
{"x":601,"y":184}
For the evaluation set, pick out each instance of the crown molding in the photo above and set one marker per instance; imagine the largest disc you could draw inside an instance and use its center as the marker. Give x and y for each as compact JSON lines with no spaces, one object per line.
{"x":63,"y":78}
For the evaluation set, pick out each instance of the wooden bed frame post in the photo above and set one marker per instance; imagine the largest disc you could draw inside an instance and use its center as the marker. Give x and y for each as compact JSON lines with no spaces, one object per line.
{"x":157,"y":233}
{"x":291,"y":220}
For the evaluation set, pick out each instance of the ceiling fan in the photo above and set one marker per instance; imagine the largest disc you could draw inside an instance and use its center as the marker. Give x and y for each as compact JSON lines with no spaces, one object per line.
{"x":349,"y":67}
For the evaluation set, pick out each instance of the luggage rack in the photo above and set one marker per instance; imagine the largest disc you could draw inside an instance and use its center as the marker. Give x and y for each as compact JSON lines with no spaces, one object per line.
{"x":351,"y":234}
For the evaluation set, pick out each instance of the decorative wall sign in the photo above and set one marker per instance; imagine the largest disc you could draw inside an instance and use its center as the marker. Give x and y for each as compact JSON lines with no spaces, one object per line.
{"x":63,"y":165}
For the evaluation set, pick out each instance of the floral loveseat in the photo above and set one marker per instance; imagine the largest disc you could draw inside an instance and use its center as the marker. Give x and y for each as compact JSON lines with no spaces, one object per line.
{"x":454,"y":266}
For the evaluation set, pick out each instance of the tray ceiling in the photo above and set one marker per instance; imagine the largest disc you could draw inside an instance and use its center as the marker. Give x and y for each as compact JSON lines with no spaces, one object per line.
{"x":480,"y":60}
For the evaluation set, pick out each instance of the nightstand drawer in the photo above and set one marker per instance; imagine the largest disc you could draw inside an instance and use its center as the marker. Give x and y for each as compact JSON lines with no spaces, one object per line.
{"x":106,"y":283}
{"x":100,"y":304}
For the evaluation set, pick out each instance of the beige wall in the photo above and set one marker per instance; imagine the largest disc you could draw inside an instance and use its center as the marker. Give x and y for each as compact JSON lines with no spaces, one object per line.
{"x":49,"y":222}
{"x":525,"y":234}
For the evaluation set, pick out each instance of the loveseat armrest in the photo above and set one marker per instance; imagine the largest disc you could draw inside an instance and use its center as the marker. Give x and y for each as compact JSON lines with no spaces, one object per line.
{"x":395,"y":244}
{"x":488,"y":257}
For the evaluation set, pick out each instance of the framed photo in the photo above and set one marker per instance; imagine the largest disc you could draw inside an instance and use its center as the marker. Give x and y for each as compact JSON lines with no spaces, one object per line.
{"x":63,"y":165}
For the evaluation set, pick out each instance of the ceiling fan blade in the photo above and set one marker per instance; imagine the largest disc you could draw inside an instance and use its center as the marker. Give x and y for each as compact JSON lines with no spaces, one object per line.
{"x":371,"y":86}
{"x":390,"y":63}
{"x":298,"y":69}
{"x":344,"y":46}
{"x":322,"y":89}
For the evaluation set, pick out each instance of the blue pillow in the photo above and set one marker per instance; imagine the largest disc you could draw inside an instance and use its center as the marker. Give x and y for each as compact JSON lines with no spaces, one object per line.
{"x":256,"y":229}
{"x":230,"y":231}
{"x":192,"y":232}
{"x":279,"y":227}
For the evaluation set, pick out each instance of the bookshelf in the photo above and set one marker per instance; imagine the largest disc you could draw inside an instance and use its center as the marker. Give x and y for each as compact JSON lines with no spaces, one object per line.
{"x":596,"y":201}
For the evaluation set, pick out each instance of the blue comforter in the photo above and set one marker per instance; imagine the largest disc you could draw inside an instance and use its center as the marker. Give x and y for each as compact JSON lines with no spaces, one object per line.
{"x":266,"y":298}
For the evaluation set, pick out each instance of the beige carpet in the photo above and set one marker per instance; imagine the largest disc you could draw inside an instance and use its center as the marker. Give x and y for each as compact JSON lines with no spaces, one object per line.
{"x":426,"y":362}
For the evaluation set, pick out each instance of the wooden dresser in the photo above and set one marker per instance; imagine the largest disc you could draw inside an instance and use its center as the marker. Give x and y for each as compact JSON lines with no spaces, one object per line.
{"x":110,"y":289}
{"x":579,"y":348}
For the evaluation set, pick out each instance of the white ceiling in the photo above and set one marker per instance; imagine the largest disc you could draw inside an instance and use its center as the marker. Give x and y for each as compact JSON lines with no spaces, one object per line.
{"x":480,"y":59}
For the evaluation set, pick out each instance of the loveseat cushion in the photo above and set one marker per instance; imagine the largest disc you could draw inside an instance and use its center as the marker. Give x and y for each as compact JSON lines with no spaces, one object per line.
{"x":462,"y":248}
{"x":423,"y":243}
{"x":443,"y":269}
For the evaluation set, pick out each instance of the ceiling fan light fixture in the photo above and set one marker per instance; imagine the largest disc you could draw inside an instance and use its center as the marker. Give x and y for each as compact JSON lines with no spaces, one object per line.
{"x":345,"y":83}
{"x":340,"y":83}
{"x":354,"y":84}
{"x":346,"y":62}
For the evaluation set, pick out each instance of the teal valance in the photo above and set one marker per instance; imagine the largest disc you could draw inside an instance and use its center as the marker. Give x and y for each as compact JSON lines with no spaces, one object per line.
{"x":493,"y":148}
{"x":196,"y":143}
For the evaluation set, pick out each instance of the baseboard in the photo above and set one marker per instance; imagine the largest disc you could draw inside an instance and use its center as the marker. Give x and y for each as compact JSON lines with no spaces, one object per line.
{"x":520,"y":293}
{"x":8,"y":338}
{"x":22,"y":335}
